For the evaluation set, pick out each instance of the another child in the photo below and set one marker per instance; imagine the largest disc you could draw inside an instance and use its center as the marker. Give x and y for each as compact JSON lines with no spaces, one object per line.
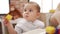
{"x":29,"y":21}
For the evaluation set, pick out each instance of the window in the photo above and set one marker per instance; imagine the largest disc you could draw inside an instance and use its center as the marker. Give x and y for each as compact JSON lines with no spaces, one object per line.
{"x":47,"y":5}
{"x":4,"y":6}
{"x":55,"y":3}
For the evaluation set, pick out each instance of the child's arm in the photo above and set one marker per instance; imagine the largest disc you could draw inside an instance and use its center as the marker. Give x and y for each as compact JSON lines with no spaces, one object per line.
{"x":9,"y":25}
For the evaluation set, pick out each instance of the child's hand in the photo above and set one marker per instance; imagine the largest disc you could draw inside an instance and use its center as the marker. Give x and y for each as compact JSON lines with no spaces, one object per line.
{"x":6,"y":22}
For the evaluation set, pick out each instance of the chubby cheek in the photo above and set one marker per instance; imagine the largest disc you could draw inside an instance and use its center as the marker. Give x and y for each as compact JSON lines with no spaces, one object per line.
{"x":33,"y":16}
{"x":23,"y":14}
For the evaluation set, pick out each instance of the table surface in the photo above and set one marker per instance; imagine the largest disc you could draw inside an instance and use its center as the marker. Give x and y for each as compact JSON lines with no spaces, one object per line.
{"x":36,"y":31}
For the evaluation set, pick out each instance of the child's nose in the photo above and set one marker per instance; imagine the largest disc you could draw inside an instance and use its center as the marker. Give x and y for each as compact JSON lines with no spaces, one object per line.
{"x":27,"y":12}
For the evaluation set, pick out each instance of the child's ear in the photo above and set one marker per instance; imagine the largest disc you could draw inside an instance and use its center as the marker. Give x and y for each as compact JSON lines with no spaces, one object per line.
{"x":38,"y":15}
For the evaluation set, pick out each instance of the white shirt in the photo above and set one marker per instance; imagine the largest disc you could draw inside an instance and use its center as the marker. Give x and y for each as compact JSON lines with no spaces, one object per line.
{"x":24,"y":25}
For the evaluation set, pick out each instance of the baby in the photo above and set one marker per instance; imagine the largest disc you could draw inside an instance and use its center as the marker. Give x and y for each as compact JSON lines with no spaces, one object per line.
{"x":31,"y":13}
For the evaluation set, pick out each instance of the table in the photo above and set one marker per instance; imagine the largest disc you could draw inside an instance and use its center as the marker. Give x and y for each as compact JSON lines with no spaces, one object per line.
{"x":36,"y":31}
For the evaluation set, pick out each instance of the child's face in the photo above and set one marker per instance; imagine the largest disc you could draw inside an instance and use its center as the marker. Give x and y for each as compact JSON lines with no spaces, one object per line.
{"x":30,"y":12}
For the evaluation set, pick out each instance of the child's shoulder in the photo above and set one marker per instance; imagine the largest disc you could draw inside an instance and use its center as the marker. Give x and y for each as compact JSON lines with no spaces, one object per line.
{"x":39,"y":23}
{"x":21,"y":21}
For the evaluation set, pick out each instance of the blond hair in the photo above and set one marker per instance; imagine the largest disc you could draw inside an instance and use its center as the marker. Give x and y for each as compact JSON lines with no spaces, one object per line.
{"x":36,"y":5}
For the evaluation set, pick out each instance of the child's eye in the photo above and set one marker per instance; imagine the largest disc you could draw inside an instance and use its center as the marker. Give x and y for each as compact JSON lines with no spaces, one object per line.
{"x":30,"y":10}
{"x":25,"y":10}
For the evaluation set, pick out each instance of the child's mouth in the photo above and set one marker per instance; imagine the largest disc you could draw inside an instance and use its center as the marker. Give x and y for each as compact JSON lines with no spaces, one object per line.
{"x":27,"y":16}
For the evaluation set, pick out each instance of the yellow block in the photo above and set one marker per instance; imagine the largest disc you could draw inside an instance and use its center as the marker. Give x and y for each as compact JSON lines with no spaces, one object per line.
{"x":51,"y":11}
{"x":8,"y":17}
{"x":50,"y":29}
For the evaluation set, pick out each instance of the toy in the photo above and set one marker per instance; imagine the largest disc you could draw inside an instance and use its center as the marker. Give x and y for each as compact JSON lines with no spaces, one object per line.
{"x":50,"y":30}
{"x":58,"y":29}
{"x":8,"y":17}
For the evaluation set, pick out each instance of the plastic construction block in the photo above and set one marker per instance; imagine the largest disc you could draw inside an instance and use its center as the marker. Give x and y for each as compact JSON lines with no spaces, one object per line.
{"x":8,"y":17}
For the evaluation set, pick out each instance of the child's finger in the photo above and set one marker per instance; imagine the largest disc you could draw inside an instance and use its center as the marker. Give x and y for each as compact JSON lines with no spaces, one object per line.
{"x":5,"y":21}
